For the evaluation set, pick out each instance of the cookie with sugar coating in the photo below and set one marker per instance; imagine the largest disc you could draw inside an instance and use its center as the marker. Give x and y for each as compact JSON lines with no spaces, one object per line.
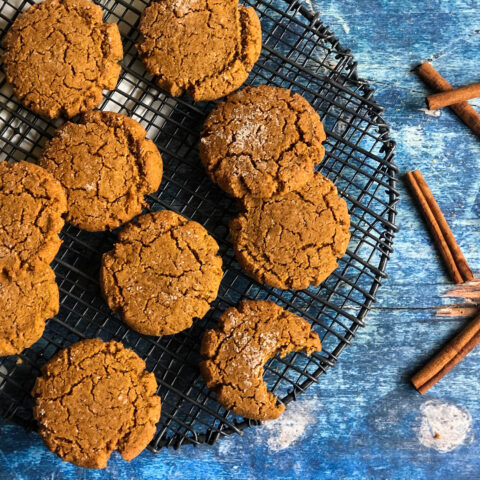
{"x":163,"y":272}
{"x":59,"y":56}
{"x":95,"y":397}
{"x":32,"y":205}
{"x":262,"y":141}
{"x":106,"y":165}
{"x":204,"y":48}
{"x":292,"y":241}
{"x":236,"y":351}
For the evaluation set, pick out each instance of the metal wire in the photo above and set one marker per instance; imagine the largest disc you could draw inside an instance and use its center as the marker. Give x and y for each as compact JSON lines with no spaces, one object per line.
{"x":298,"y":53}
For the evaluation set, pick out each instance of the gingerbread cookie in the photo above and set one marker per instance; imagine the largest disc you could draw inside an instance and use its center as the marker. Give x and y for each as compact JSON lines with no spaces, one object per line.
{"x":59,"y":56}
{"x":163,"y":272}
{"x":294,"y":240}
{"x":95,"y":397}
{"x":106,"y":166}
{"x":32,"y":203}
{"x":204,"y":48}
{"x":262,"y":141}
{"x":236,"y":351}
{"x":26,"y":302}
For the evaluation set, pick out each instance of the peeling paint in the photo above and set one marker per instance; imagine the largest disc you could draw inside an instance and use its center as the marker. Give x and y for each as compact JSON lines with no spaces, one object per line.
{"x":470,"y":292}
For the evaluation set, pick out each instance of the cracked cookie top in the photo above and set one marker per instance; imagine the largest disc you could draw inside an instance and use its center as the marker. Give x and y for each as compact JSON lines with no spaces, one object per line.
{"x":26,"y":301}
{"x":163,"y":272}
{"x":95,"y":397}
{"x":204,"y":47}
{"x":262,"y":141}
{"x":32,"y":203}
{"x":236,"y":351}
{"x":294,"y":240}
{"x":106,"y":166}
{"x":59,"y":56}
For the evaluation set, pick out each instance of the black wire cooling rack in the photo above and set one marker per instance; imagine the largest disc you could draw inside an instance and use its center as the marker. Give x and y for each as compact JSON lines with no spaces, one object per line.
{"x":298,"y":53}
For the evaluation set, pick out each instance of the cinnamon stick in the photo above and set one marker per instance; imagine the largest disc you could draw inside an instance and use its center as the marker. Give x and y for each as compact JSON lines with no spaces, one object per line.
{"x":443,"y":237}
{"x":451,"y":97}
{"x":450,"y":355}
{"x":463,"y":110}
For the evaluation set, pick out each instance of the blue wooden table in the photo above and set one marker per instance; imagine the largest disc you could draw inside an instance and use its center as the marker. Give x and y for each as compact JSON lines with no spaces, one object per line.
{"x":363,"y":420}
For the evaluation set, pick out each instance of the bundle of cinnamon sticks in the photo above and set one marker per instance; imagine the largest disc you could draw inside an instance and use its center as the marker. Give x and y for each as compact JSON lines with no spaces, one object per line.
{"x":457,"y":266}
{"x":447,"y":96}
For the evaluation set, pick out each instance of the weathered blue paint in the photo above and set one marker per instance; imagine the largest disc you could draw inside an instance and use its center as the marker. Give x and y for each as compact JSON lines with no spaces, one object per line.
{"x":366,"y":412}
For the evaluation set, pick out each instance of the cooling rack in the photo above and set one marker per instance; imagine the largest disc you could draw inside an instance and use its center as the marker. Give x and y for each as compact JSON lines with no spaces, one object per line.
{"x":299,"y":53}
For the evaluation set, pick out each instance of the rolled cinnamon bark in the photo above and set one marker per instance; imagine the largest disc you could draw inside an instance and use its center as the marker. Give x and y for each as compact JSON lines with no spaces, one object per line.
{"x":450,"y":355}
{"x":463,"y":110}
{"x":457,"y":95}
{"x":448,"y":247}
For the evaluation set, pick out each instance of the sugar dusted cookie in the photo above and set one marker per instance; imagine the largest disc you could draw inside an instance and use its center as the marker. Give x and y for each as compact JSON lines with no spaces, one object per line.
{"x":32,"y":204}
{"x":204,"y":48}
{"x":292,"y":241}
{"x":262,"y":141}
{"x":163,"y":272}
{"x":236,"y":351}
{"x":26,"y":302}
{"x":93,"y":398}
{"x":59,"y":56}
{"x":106,"y":166}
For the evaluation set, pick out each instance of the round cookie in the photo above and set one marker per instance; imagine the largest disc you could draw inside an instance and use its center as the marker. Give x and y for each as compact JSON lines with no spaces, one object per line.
{"x":95,"y":397}
{"x":294,"y":240}
{"x":262,"y":141}
{"x":163,"y":272}
{"x":236,"y":351}
{"x":32,"y":203}
{"x":59,"y":56}
{"x":25,"y":303}
{"x":106,"y":166}
{"x":204,"y":48}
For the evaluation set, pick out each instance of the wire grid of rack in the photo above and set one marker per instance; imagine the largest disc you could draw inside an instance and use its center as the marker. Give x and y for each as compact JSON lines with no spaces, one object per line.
{"x":298,"y":53}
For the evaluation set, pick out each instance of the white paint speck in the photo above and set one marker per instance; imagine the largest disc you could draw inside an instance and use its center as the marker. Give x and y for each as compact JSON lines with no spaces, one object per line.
{"x":415,"y":141}
{"x":310,"y":5}
{"x":338,"y":17}
{"x":340,"y":127}
{"x":225,"y":447}
{"x":413,"y":137}
{"x":444,"y":426}
{"x":291,"y":425}
{"x":431,"y":113}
